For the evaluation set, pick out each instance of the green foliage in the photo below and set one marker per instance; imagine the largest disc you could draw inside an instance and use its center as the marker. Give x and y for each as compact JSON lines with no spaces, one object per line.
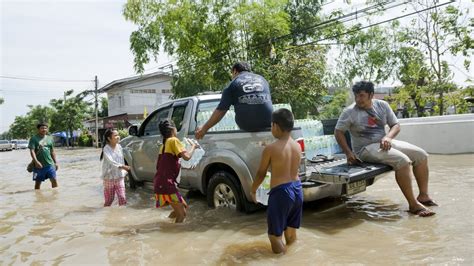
{"x":123,"y":133}
{"x":297,"y":79}
{"x":85,"y":140}
{"x":104,"y":105}
{"x":334,"y":108}
{"x":24,"y":127}
{"x":368,"y":55}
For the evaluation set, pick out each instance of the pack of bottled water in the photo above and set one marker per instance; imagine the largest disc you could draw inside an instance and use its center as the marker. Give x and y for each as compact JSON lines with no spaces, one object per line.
{"x":281,"y":105}
{"x":263,"y":190}
{"x":321,"y":145}
{"x":197,"y":154}
{"x":310,"y":127}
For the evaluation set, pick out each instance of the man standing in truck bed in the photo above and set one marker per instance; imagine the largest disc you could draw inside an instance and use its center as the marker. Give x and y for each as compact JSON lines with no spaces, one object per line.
{"x":249,"y":93}
{"x":366,"y":120}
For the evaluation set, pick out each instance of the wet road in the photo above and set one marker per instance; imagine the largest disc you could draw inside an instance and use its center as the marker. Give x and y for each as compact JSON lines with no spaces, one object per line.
{"x":68,"y":225}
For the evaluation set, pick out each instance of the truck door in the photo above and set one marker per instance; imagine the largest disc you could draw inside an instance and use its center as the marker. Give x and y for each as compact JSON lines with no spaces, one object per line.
{"x":145,"y":150}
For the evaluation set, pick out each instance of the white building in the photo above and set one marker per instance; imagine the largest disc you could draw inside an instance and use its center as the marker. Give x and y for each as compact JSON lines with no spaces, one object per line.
{"x":135,"y":94}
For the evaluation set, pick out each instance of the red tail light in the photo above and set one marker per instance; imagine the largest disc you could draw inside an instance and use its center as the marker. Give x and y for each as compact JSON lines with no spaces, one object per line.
{"x":301,"y":143}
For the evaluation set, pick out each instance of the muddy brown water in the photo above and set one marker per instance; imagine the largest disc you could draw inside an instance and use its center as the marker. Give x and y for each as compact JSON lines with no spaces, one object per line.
{"x":68,"y":225}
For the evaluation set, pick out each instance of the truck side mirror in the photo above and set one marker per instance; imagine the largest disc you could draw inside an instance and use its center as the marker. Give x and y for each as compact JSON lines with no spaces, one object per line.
{"x":133,"y":131}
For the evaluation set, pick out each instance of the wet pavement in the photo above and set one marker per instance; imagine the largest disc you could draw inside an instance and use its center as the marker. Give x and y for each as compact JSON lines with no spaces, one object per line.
{"x":68,"y":225}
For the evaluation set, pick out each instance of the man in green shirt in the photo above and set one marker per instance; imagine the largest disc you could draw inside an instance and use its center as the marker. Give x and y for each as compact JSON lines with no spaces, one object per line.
{"x":42,"y":152}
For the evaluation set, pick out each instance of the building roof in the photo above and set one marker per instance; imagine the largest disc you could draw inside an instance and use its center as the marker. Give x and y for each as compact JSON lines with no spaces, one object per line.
{"x":124,"y":81}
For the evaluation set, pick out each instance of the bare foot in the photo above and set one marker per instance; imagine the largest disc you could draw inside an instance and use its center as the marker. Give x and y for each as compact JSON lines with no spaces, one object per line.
{"x":427,"y":201}
{"x":172,"y":215}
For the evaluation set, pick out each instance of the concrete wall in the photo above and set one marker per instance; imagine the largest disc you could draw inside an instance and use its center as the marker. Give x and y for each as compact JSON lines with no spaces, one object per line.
{"x":450,"y":134}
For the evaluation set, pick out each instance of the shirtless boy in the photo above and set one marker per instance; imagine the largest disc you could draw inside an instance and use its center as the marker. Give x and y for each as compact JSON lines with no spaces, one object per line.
{"x":285,"y":200}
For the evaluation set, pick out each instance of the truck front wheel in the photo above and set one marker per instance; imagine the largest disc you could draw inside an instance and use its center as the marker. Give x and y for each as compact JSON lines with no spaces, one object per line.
{"x":223,"y":191}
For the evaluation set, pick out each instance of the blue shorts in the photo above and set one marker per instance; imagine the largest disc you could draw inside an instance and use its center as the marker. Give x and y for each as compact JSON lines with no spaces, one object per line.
{"x":47,"y":172}
{"x":285,"y":207}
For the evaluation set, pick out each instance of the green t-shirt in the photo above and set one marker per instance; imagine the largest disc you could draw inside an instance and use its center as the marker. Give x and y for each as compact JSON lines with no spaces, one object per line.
{"x":42,"y":146}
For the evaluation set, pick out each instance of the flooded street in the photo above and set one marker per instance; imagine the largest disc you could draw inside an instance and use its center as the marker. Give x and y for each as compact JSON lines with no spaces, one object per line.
{"x":68,"y":225}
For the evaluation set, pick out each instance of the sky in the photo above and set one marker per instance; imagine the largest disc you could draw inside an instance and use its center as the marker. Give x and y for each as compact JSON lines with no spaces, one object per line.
{"x":74,"y":40}
{"x":61,"y":40}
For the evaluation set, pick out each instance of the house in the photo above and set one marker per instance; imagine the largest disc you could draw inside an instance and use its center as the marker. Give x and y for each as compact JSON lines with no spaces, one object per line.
{"x":131,"y":98}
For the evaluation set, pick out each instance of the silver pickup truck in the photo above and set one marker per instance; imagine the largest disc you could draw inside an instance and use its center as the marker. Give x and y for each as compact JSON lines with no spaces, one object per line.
{"x":232,"y":156}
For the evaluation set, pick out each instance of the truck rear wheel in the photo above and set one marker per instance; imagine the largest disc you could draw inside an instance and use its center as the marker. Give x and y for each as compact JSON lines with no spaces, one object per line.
{"x":223,"y":192}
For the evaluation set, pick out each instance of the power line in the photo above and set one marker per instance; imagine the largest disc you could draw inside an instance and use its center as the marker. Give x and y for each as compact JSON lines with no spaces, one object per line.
{"x":43,"y":79}
{"x":368,"y":26}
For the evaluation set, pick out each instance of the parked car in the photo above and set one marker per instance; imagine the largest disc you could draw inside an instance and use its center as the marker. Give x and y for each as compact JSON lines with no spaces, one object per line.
{"x":232,"y":156}
{"x":20,"y":144}
{"x":6,"y":145}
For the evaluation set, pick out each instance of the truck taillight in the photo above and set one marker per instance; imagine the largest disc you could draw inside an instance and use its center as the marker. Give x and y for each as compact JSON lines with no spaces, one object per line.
{"x":301,"y":143}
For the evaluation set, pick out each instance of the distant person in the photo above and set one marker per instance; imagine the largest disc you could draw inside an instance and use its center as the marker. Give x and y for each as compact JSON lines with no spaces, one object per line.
{"x":285,"y":200}
{"x":167,"y":170}
{"x":366,"y":120}
{"x":42,"y":152}
{"x":249,"y":93}
{"x":114,"y":169}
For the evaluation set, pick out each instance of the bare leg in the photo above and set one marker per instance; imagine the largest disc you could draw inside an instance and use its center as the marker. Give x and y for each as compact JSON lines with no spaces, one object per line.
{"x":403,"y":177}
{"x":178,"y":208}
{"x":290,"y":235}
{"x":172,"y":214}
{"x":277,"y":244}
{"x":54,"y":183}
{"x":37,"y":184}
{"x":421,"y":173}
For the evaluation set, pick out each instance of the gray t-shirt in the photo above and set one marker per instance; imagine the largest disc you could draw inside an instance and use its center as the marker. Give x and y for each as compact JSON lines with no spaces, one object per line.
{"x":366,"y":126}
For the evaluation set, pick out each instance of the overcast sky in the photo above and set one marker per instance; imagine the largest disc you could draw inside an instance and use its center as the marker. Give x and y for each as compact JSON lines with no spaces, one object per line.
{"x":65,"y":40}
{"x":69,"y":40}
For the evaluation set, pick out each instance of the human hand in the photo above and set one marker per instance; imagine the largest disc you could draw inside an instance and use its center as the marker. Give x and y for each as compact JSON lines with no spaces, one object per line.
{"x":125,"y":167}
{"x":200,"y":132}
{"x":253,"y":195}
{"x":386,"y":143}
{"x":38,"y":165}
{"x":352,"y":158}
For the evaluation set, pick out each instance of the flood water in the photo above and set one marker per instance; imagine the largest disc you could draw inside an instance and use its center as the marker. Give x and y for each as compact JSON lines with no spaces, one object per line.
{"x":68,"y":225}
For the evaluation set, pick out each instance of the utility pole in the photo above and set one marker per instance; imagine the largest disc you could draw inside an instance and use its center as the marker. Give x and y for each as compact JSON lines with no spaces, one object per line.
{"x":96,"y":113}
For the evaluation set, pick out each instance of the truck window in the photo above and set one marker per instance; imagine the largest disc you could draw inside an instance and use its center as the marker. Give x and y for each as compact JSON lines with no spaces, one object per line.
{"x":178,"y":116}
{"x":151,"y":126}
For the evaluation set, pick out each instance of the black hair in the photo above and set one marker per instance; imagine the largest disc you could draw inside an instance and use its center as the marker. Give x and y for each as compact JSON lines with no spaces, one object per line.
{"x":241,"y":66}
{"x":284,"y":119}
{"x":166,"y":130}
{"x":42,"y":124}
{"x":366,"y":86}
{"x":108,"y":133}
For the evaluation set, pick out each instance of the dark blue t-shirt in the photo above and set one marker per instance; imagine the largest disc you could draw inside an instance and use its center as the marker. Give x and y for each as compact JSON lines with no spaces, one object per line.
{"x":249,"y":93}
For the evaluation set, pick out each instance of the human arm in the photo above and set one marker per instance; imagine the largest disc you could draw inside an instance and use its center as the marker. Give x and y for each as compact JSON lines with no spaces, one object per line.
{"x":341,"y":140}
{"x":35,"y":160}
{"x":216,"y":116}
{"x":53,"y":155}
{"x":186,"y":155}
{"x":261,"y":172}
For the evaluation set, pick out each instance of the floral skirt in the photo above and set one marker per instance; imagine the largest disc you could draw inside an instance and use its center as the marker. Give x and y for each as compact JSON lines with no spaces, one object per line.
{"x":163,"y":200}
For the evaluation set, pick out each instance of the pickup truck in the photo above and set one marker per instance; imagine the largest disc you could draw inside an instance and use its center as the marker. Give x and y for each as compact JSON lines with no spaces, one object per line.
{"x":225,"y":172}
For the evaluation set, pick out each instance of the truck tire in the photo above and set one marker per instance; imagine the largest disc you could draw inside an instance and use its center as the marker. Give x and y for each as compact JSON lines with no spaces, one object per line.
{"x":222,"y":191}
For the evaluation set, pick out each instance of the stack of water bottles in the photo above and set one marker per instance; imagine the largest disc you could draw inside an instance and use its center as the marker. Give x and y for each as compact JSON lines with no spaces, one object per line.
{"x":316,"y":143}
{"x":281,"y":105}
{"x":227,"y":123}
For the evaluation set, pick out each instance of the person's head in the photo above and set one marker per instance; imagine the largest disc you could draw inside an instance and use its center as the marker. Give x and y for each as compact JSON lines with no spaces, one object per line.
{"x":240,"y":67}
{"x":282,"y":122}
{"x":167,"y":129}
{"x":42,"y":128}
{"x":363,"y":94}
{"x":111,"y":136}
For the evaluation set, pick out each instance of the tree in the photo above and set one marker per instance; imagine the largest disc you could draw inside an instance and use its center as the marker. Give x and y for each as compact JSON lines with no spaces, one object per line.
{"x":69,"y":113}
{"x":297,"y":80}
{"x":2,"y":100}
{"x":368,"y":54}
{"x":440,"y":32}
{"x":335,"y":106}
{"x":104,"y":107}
